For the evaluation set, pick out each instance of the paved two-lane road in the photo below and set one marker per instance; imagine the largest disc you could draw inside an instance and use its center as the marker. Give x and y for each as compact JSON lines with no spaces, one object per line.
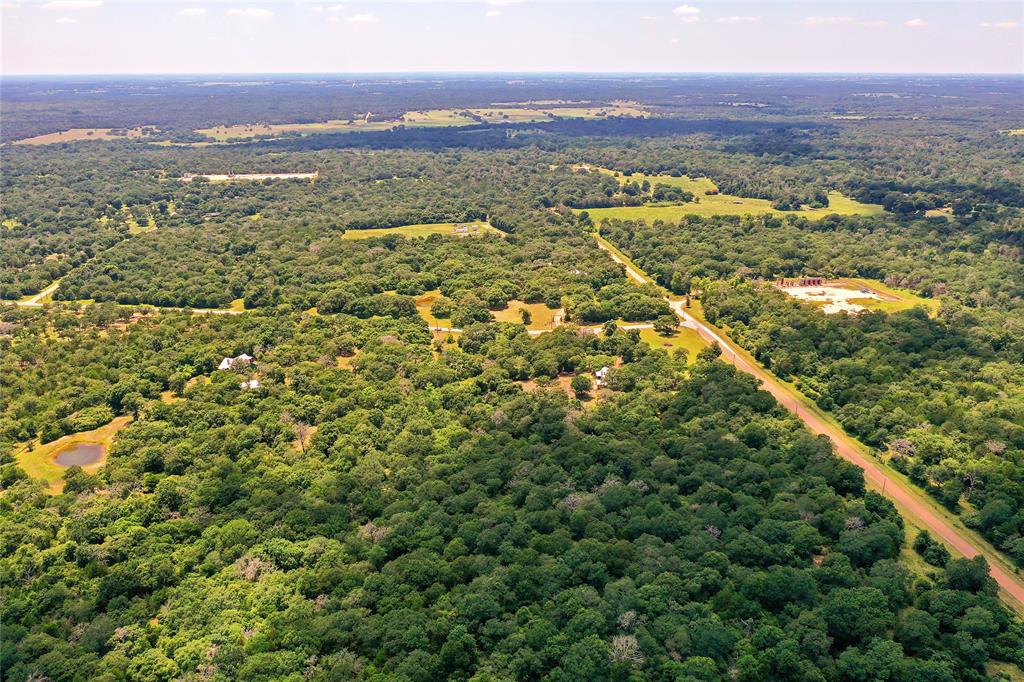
{"x":910,"y":502}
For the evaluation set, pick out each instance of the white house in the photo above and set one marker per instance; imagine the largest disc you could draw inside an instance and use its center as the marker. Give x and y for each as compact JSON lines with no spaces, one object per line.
{"x":251,"y":384}
{"x":601,"y":377}
{"x":240,"y":361}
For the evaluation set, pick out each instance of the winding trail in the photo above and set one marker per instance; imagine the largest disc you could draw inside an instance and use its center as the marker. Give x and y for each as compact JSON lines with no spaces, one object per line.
{"x":909,"y":501}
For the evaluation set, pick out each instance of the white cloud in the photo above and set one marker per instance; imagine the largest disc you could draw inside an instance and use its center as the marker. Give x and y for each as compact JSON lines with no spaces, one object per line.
{"x":10,"y":5}
{"x":362,"y":18}
{"x":686,"y":10}
{"x":67,"y":20}
{"x":650,"y":17}
{"x":191,"y":12}
{"x":1002,"y":25}
{"x":737,"y":20}
{"x":843,"y":20}
{"x":335,"y":9}
{"x":916,"y":23}
{"x":71,"y":5}
{"x":674,"y":41}
{"x":251,"y":12}
{"x":492,"y":14}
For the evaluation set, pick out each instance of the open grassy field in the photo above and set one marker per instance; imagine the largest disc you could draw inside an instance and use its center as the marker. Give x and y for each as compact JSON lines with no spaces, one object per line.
{"x":713,"y":204}
{"x":39,"y":462}
{"x":423,"y":303}
{"x":542,"y":317}
{"x":427,"y":118}
{"x":726,"y":204}
{"x":414,"y":119}
{"x":892,"y":299}
{"x":79,"y":134}
{"x":685,"y":338}
{"x":425,"y":230}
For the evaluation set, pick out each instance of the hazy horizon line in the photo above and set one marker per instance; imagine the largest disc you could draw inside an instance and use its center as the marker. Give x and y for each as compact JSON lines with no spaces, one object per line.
{"x":357,"y":74}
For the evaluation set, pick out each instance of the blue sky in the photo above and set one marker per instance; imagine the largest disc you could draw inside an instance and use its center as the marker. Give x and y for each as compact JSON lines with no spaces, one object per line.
{"x":97,"y":36}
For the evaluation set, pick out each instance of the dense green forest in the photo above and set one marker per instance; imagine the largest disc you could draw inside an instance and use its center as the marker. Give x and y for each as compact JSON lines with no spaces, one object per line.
{"x":368,"y":499}
{"x":440,"y":522}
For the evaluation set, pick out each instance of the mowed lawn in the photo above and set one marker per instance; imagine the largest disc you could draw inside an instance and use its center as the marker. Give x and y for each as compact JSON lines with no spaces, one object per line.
{"x":425,"y":230}
{"x":715,"y":204}
{"x":685,"y":338}
{"x":39,"y":461}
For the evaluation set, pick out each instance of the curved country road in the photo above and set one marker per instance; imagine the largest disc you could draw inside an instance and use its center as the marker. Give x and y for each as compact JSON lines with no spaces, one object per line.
{"x":909,"y":502}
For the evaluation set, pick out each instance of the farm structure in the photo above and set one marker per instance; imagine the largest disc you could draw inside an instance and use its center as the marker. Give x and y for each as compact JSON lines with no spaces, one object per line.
{"x":801,"y":282}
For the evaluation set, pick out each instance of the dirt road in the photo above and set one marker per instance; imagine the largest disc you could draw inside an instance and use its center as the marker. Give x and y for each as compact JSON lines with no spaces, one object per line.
{"x":34,"y":302}
{"x":910,"y":502}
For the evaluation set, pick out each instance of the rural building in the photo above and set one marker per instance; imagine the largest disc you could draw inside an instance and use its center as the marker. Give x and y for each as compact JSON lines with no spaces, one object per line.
{"x":251,"y":384}
{"x":801,"y":282}
{"x":242,"y":360}
{"x":601,"y":377}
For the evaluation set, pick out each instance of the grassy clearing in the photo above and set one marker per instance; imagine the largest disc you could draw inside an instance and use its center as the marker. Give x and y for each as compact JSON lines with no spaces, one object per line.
{"x":713,"y":204}
{"x":1001,"y":670}
{"x":427,"y":118}
{"x":423,"y":303}
{"x":39,"y":462}
{"x":687,"y":339}
{"x":425,"y":230}
{"x":542,"y":317}
{"x":727,"y":204}
{"x":893,"y":299}
{"x":852,"y":295}
{"x":79,"y":134}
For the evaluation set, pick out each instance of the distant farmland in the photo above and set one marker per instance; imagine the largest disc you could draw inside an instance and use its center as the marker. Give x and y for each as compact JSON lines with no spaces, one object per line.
{"x":716,"y":203}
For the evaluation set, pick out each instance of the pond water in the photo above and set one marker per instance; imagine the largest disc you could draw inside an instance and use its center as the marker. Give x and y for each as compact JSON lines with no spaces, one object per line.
{"x":80,"y":454}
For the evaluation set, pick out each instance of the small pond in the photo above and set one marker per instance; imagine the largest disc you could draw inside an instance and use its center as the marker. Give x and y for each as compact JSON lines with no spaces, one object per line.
{"x":80,"y":454}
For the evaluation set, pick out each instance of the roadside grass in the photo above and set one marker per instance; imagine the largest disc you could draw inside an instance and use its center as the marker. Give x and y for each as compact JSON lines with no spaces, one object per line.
{"x":39,"y":462}
{"x":424,"y":230}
